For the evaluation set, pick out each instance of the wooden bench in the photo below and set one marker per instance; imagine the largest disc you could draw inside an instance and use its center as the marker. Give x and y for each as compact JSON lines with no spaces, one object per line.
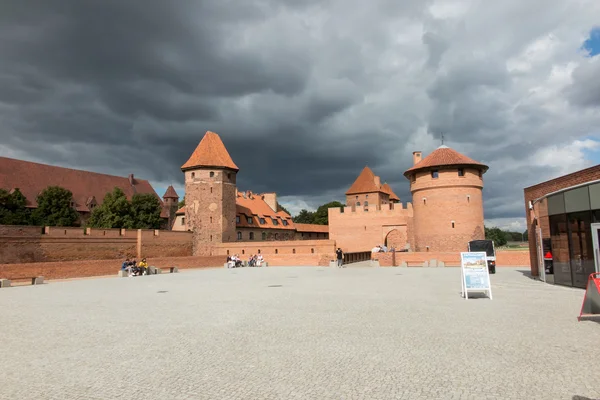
{"x":35,"y":280}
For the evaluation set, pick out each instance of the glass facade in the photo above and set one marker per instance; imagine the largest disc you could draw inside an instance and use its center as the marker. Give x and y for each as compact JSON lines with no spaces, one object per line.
{"x":570,"y":218}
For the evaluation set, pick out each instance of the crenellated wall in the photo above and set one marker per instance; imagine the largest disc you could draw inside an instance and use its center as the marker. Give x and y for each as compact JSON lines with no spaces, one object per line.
{"x":357,"y":229}
{"x":26,"y":244}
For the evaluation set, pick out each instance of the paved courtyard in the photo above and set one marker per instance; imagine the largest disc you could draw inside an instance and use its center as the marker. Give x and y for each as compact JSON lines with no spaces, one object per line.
{"x":297,"y":333}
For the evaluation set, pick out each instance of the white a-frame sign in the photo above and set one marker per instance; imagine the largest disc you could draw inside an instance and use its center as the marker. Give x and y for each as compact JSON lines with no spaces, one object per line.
{"x":474,"y":273}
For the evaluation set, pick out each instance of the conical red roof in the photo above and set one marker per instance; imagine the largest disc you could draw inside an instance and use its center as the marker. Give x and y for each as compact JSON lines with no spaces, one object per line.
{"x":365,"y":183}
{"x":170,"y":193}
{"x":388,"y":189}
{"x":445,"y":156}
{"x":211,"y":152}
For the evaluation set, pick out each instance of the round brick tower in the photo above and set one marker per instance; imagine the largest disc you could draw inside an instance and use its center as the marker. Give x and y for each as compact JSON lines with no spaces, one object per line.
{"x":447,"y":200}
{"x":210,"y":194}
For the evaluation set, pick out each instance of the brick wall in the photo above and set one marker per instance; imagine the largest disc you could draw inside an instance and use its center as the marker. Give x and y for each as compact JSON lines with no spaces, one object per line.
{"x":451,"y":259}
{"x":356,"y":230}
{"x":85,"y":268}
{"x":293,"y":252}
{"x":28,"y":244}
{"x":541,"y":189}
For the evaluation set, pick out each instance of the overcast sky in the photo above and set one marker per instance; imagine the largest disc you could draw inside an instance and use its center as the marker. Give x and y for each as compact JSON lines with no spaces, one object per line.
{"x":304,"y":93}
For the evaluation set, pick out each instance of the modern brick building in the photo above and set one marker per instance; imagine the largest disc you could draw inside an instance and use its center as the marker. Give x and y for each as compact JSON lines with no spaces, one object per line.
{"x":88,"y":188}
{"x":562,"y":214}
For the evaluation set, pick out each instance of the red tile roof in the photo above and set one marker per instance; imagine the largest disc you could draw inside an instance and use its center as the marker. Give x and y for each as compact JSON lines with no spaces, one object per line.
{"x":388,"y":189}
{"x":170,"y":193}
{"x":312,"y":228}
{"x":445,"y":156}
{"x":365,"y":183}
{"x":87,"y":187}
{"x":211,"y":152}
{"x":255,"y":207}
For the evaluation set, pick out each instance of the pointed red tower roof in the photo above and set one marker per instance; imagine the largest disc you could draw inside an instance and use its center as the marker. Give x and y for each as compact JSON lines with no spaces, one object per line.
{"x":445,"y":156}
{"x":211,"y":152}
{"x":388,"y":189}
{"x":170,"y":193}
{"x":365,"y":183}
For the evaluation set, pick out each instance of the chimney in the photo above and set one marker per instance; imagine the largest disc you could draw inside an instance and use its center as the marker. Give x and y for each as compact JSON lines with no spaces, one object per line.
{"x":271,"y":200}
{"x":131,"y":179}
{"x":377,"y":181}
{"x":416,"y":157}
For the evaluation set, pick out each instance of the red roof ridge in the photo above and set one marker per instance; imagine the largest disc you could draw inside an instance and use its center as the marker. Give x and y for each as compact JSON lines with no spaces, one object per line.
{"x":445,"y":156}
{"x":386,"y":188}
{"x":210,"y":152}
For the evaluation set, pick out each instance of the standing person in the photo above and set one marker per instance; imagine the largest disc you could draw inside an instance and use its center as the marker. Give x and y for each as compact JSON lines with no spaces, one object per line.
{"x":340,"y":257}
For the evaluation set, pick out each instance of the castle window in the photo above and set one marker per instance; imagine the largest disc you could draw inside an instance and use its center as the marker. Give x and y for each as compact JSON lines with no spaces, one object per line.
{"x":312,"y":250}
{"x":424,"y":200}
{"x":366,"y":197}
{"x":356,"y":197}
{"x":358,"y":203}
{"x":211,"y":238}
{"x":452,"y":224}
{"x":239,"y":236}
{"x":212,"y":174}
{"x":251,"y":235}
{"x":366,"y":204}
{"x":249,"y":220}
{"x":228,"y":175}
{"x":294,"y":251}
{"x":211,"y":220}
{"x":461,"y":172}
{"x":211,"y":190}
{"x":262,"y":221}
{"x":275,"y":222}
{"x":183,"y":221}
{"x":243,"y":251}
{"x":193,"y":175}
{"x":237,"y":219}
{"x":276,"y":251}
{"x":264,"y":236}
{"x":285,"y":223}
{"x":435,"y":174}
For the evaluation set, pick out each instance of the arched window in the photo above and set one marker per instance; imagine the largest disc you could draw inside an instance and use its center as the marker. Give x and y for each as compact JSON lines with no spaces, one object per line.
{"x":312,"y":250}
{"x":294,"y":251}
{"x":366,"y":204}
{"x":239,"y":236}
{"x":276,"y":251}
{"x":193,"y":175}
{"x":358,"y":203}
{"x":212,"y":174}
{"x":251,"y":235}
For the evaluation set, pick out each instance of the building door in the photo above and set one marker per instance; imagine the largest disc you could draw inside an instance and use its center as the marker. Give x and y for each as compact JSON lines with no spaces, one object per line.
{"x":596,"y":241}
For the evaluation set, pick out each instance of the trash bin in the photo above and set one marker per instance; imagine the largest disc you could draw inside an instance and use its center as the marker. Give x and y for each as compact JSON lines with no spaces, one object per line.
{"x":549,"y":266}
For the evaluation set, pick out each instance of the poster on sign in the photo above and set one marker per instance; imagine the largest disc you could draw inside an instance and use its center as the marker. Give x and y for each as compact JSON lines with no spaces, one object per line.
{"x":475,"y":274}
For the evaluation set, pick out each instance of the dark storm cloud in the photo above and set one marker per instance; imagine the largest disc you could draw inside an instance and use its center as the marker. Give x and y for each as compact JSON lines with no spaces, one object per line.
{"x":303,"y":93}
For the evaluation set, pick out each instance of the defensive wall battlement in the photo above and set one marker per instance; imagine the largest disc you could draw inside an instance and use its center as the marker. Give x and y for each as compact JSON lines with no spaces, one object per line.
{"x":398,"y":209}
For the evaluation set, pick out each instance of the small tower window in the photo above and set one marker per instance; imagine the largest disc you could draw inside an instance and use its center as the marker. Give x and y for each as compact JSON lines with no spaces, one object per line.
{"x":366,"y":197}
{"x":243,"y":251}
{"x":294,"y":251}
{"x":193,"y":175}
{"x":211,"y":190}
{"x":237,"y":219}
{"x":183,"y":221}
{"x":239,"y":236}
{"x":435,"y":174}
{"x":356,"y":197}
{"x":452,"y":224}
{"x":211,"y":238}
{"x":212,"y":174}
{"x":425,"y":200}
{"x":211,"y":220}
{"x":461,"y":172}
{"x":468,"y":198}
{"x":276,"y":251}
{"x":251,"y":235}
{"x":312,"y":250}
{"x":229,"y":175}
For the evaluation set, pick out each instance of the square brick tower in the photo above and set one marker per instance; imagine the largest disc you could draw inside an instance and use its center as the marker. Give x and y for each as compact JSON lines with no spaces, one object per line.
{"x":210,"y":194}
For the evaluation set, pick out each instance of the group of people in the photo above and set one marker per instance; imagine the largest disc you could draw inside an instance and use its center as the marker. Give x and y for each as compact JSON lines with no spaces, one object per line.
{"x":381,"y":248}
{"x":134,"y":268}
{"x":253,"y":261}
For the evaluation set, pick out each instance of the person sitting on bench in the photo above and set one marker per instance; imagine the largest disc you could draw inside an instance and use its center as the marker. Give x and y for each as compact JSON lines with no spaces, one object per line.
{"x":143,"y":267}
{"x":125,"y":265}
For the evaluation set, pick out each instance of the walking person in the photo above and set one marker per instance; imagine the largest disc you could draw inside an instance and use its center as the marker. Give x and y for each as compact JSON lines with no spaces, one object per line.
{"x":340,"y":257}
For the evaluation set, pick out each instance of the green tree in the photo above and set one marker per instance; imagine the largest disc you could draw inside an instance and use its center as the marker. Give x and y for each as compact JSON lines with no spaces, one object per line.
{"x":321,"y":216}
{"x":282,"y":208}
{"x":181,"y":204}
{"x":12,"y":208}
{"x":526,"y":235}
{"x":55,"y":208}
{"x":115,"y":212}
{"x":497,"y":235}
{"x":304,"y":217}
{"x":145,"y":209}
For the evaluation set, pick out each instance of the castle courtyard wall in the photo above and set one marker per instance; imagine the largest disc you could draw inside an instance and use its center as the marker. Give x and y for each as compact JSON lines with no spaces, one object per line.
{"x":283,"y":253}
{"x":508,"y":258}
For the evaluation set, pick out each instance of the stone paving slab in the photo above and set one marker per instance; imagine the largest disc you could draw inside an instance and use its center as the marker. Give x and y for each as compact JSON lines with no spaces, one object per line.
{"x":297,"y":333}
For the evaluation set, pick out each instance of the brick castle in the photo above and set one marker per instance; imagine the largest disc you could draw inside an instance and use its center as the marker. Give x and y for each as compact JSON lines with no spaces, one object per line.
{"x":446,"y":212}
